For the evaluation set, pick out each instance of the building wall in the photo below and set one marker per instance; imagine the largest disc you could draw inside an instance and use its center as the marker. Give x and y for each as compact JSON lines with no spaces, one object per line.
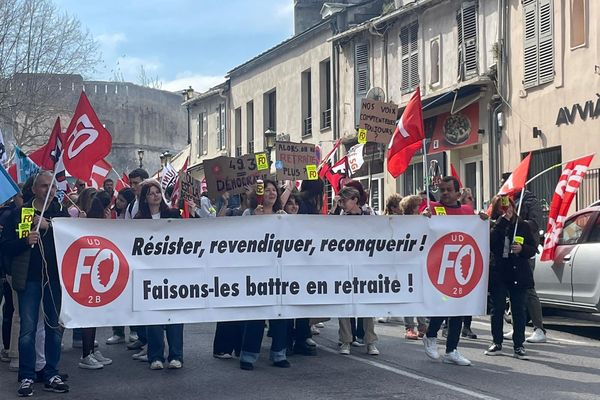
{"x":438,"y":21}
{"x":577,"y":80}
{"x":283,"y":74}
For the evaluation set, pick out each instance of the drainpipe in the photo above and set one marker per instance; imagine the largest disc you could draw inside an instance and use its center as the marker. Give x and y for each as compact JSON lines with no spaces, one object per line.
{"x":335,"y":66}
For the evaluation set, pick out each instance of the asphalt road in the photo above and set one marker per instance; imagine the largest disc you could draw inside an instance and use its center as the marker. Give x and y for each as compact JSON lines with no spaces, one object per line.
{"x":567,"y":367}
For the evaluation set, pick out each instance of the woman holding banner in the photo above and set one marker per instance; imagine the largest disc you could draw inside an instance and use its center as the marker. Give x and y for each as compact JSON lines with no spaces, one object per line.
{"x":269,"y":202}
{"x":511,"y":246}
{"x":152,"y":206}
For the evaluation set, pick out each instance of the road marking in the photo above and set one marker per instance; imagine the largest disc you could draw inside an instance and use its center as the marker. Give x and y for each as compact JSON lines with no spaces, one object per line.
{"x":553,"y":339}
{"x":414,"y":376}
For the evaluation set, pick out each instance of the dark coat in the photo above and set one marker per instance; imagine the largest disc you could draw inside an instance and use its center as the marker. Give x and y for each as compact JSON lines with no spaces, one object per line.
{"x":514,"y":270}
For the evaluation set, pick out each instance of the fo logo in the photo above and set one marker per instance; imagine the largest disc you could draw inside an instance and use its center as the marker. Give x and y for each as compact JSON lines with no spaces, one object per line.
{"x":94,"y":271}
{"x":455,"y":264}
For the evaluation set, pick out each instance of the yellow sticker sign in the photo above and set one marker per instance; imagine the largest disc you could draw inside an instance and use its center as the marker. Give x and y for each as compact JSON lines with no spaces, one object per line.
{"x":362,"y":136}
{"x":261,"y":161}
{"x":23,"y":230}
{"x":311,"y":171}
{"x":24,"y":226}
{"x":440,"y":210}
{"x":519,"y":240}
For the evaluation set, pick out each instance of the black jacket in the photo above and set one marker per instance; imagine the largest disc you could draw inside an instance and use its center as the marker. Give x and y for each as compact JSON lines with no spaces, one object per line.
{"x":26,"y":263}
{"x":513,"y":270}
{"x":531,"y":210}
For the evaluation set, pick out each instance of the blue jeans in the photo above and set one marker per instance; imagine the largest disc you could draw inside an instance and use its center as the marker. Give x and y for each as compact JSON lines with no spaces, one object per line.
{"x":156,"y":342}
{"x":253,"y":336}
{"x":29,"y":307}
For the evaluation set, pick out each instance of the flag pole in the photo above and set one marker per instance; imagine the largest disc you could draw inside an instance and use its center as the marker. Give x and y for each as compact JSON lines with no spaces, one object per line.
{"x":123,"y":182}
{"x":37,"y":229}
{"x":425,"y":173}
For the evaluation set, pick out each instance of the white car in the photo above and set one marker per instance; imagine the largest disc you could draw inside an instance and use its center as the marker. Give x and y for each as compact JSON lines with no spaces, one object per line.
{"x":572,"y":280}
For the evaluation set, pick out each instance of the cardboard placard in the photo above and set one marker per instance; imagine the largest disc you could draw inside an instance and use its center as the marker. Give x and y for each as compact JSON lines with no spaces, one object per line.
{"x":191,"y":188}
{"x":233,"y":174}
{"x":379,"y":120}
{"x":292,"y":159}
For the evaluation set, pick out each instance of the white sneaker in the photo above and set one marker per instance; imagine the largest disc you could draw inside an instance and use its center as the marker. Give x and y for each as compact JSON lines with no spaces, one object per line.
{"x":140,"y":356}
{"x":101,"y":359}
{"x":314,"y":330}
{"x":90,"y":362}
{"x":157,"y":365}
{"x":345,"y":349}
{"x":508,"y":335}
{"x":358,"y":343}
{"x":538,"y":336}
{"x":383,"y":320}
{"x":175,"y":364}
{"x":320,"y":325}
{"x":431,"y":348}
{"x":133,"y":337}
{"x":115,"y":339}
{"x":455,"y":358}
{"x":310,"y":342}
{"x":372,"y":350}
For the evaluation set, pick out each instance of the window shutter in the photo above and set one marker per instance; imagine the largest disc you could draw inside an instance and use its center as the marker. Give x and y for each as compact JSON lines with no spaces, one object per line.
{"x":546,"y":42}
{"x":409,"y":54}
{"x":361,"y":75}
{"x":530,"y":53}
{"x":466,"y":19}
{"x":222,"y":136}
{"x":204,"y":134}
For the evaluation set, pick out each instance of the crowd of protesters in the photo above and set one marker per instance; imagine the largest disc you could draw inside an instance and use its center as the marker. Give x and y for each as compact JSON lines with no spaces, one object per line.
{"x":32,"y":335}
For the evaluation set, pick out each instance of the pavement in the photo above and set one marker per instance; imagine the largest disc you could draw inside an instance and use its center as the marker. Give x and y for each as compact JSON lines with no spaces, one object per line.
{"x":567,"y":367}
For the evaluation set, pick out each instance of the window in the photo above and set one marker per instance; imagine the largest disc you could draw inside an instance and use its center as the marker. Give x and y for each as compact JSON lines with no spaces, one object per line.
{"x":434,"y":54}
{"x":409,"y":48}
{"x":202,"y":134}
{"x":325,"y":93}
{"x":221,"y":126}
{"x":413,"y":179}
{"x":361,"y":76}
{"x":250,"y":126}
{"x":578,"y":23}
{"x":544,"y":186}
{"x":306,"y":82}
{"x":270,"y":111}
{"x":466,"y":20}
{"x":538,"y":48}
{"x":574,"y":229}
{"x":238,"y":131}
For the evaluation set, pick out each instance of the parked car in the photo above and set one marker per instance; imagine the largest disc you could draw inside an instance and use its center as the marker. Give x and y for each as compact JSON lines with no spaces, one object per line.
{"x":572,"y":280}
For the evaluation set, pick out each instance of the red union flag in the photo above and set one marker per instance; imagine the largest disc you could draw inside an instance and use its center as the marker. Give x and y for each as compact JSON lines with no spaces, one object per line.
{"x":516,"y":181}
{"x":87,"y":141}
{"x":407,"y":137}
{"x":565,"y":191}
{"x":100,"y":171}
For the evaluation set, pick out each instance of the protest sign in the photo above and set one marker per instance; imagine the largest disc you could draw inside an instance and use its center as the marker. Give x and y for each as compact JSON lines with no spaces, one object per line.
{"x":292,"y":160}
{"x":278,"y":266}
{"x":191,"y":188}
{"x":378,"y":119}
{"x":233,"y":174}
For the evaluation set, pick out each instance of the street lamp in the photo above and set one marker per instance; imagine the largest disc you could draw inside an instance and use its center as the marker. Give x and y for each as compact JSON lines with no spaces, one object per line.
{"x":270,"y":137}
{"x":166,"y":157}
{"x":141,"y":157}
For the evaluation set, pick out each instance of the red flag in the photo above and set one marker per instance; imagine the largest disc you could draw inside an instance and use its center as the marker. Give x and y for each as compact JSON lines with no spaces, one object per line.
{"x":334,"y":174}
{"x":455,"y":174}
{"x":87,"y":141}
{"x":516,"y":181}
{"x":565,"y":191}
{"x":407,"y":137}
{"x":100,"y":171}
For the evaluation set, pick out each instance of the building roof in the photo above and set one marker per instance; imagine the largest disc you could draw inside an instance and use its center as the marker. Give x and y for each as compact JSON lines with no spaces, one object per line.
{"x":209,"y":93}
{"x":273,"y":51}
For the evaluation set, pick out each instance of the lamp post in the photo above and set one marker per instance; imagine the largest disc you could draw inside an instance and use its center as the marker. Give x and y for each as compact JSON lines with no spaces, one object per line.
{"x":141,"y":157}
{"x":166,"y":156}
{"x":270,"y":137}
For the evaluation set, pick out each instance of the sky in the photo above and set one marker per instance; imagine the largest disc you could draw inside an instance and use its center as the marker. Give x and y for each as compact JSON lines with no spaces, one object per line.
{"x":181,"y":42}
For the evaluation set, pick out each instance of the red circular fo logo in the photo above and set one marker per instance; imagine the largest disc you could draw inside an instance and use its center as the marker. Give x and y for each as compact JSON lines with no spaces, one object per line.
{"x":94,"y":271}
{"x":455,"y":264}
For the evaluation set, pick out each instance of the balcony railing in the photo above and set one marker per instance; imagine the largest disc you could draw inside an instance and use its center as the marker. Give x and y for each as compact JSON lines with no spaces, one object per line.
{"x":238,"y":151}
{"x":251,"y":147}
{"x":307,"y":131}
{"x":326,"y":119}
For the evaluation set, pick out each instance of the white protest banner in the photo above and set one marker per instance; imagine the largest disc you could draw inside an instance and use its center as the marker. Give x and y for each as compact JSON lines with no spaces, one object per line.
{"x":378,"y":119}
{"x":356,"y":158}
{"x":147,"y":272}
{"x":295,"y":160}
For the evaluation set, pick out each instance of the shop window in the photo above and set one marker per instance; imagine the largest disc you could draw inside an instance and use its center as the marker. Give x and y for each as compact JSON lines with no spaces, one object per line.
{"x":578,"y":23}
